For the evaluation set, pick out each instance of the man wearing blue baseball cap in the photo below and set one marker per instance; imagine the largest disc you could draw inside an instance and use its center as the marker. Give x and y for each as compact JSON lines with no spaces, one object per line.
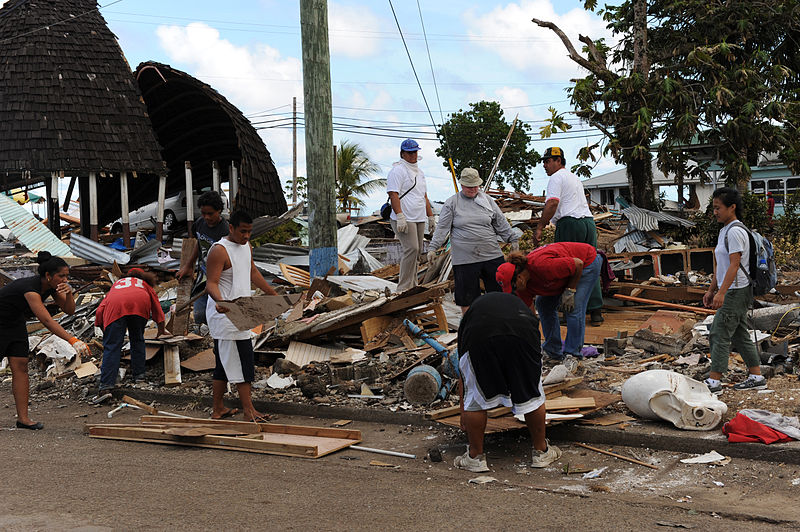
{"x":408,"y":196}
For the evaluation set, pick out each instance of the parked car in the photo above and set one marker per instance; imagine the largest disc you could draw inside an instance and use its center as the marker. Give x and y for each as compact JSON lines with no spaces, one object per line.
{"x":174,"y":213}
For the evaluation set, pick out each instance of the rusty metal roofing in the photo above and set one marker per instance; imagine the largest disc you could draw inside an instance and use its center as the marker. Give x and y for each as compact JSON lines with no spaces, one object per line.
{"x":33,"y":234}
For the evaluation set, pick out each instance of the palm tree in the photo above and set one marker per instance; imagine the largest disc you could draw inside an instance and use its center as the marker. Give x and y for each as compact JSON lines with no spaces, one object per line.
{"x":353,"y":176}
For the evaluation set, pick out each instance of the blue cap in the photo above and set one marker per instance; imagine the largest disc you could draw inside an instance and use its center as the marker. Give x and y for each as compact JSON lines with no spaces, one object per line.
{"x":410,"y":145}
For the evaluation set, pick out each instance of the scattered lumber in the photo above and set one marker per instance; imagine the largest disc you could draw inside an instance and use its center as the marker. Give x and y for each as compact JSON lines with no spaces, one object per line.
{"x":265,"y":438}
{"x":699,"y":310}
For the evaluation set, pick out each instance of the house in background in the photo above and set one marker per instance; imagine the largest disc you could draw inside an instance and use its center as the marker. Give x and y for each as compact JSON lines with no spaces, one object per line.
{"x":604,"y":189}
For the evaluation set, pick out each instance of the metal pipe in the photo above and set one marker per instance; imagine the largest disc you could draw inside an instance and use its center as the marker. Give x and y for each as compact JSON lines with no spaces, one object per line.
{"x":381,"y":451}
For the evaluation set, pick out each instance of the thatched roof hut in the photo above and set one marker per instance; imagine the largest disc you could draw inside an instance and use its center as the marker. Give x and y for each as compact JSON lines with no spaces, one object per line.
{"x":68,"y":101}
{"x":193,"y":122}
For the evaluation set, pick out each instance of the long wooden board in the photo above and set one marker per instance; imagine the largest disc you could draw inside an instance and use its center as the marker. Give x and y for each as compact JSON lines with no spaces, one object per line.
{"x":287,"y":440}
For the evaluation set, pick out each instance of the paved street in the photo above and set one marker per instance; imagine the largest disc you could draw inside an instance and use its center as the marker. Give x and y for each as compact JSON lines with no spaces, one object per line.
{"x":60,"y":479}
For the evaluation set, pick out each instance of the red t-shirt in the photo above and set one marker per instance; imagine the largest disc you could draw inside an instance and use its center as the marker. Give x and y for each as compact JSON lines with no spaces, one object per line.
{"x":551,"y":266}
{"x":129,"y":296}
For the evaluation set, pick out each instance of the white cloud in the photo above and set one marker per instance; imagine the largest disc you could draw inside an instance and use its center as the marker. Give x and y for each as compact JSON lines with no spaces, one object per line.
{"x":253,"y":78}
{"x":501,"y":29}
{"x":353,"y":31}
{"x":512,"y":97}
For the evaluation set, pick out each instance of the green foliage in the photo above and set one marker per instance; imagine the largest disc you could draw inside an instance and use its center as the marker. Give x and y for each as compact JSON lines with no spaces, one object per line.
{"x":755,"y":212}
{"x":301,"y":188}
{"x":476,"y":137}
{"x":788,"y":224}
{"x":279,"y":235}
{"x":721,"y":75}
{"x":352,"y":180}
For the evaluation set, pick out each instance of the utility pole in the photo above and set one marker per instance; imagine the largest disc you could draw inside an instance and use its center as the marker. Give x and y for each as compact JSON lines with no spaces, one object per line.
{"x":294,"y":150}
{"x":319,"y":137}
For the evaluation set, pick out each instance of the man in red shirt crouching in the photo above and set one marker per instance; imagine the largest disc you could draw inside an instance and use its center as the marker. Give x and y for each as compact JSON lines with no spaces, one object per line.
{"x":560,"y":275}
{"x":127,"y":306}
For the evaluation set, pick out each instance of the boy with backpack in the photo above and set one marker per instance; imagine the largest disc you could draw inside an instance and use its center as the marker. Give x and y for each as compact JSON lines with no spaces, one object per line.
{"x":731,"y":294}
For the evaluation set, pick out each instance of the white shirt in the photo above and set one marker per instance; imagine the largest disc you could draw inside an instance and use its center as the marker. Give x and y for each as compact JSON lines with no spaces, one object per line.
{"x":400,"y":180}
{"x":738,"y":242}
{"x":568,"y":190}
{"x":233,"y":283}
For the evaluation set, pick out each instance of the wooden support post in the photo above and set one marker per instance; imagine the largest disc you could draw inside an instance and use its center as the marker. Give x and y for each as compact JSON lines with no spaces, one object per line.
{"x":180,"y":320}
{"x":162,"y":193}
{"x":124,"y":206}
{"x":172,"y":365}
{"x":215,"y":176}
{"x":68,"y":197}
{"x":189,"y":197}
{"x":319,"y":137}
{"x":53,"y":215}
{"x":93,"y":206}
{"x":233,"y":185}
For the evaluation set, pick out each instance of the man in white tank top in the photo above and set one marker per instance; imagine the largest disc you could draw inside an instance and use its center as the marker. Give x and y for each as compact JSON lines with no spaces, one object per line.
{"x":230,"y":271}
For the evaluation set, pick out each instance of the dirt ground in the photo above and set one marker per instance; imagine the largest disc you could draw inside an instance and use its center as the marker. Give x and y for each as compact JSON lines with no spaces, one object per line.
{"x":60,"y":479}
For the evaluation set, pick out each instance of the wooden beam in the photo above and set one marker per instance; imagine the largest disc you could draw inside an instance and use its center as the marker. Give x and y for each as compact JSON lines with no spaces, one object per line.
{"x":172,"y":365}
{"x":125,"y":208}
{"x":565,"y":403}
{"x":189,"y":196}
{"x":162,"y":194}
{"x":233,"y":185}
{"x":93,"y":206}
{"x":215,"y":176}
{"x":615,"y":455}
{"x":698,"y":310}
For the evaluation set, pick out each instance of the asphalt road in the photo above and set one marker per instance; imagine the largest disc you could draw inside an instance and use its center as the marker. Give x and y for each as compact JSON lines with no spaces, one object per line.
{"x":60,"y":479}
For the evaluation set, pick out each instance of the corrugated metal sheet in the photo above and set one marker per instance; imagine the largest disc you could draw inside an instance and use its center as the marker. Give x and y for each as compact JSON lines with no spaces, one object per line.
{"x":33,"y":234}
{"x":648,"y":220}
{"x":90,"y":250}
{"x":348,"y":239}
{"x":272,"y":253}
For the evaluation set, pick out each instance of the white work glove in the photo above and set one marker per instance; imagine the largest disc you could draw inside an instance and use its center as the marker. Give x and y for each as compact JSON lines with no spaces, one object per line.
{"x":402,"y":223}
{"x":431,"y":224}
{"x":568,"y":300}
{"x":515,"y":245}
{"x":81,"y":348}
{"x":431,"y":256}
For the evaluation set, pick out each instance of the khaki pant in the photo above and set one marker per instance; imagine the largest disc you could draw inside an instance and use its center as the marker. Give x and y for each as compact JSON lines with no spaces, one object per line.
{"x":411,"y":242}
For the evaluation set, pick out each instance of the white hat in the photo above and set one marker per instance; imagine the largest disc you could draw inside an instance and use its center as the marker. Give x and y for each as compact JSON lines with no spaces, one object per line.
{"x":470,"y":178}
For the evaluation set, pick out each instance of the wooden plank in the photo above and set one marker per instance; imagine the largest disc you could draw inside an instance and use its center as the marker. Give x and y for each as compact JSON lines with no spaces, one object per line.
{"x":444,"y":412}
{"x":215,"y":442}
{"x":144,"y":406}
{"x":607,"y":420}
{"x":566,"y":383}
{"x":615,"y":455}
{"x":194,"y":432}
{"x":698,"y":310}
{"x":373,"y":326}
{"x":565,"y":403}
{"x":302,"y":430}
{"x":296,"y":276}
{"x":499,"y":411}
{"x":180,"y":320}
{"x":172,"y":365}
{"x":323,"y":445}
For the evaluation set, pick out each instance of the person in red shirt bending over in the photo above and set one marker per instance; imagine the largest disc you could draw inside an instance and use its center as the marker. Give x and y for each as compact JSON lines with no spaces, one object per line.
{"x":127,"y":306}
{"x":560,"y":275}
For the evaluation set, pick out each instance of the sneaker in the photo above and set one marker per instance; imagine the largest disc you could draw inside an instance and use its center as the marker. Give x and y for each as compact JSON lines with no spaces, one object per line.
{"x":596,"y":317}
{"x":476,"y":465}
{"x":571,"y":363}
{"x":713,"y":388}
{"x":140,"y":379}
{"x":545,"y":458}
{"x":752,"y":383}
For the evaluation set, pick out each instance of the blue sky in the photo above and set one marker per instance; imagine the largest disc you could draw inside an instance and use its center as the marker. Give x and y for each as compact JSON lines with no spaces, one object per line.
{"x":250,"y":51}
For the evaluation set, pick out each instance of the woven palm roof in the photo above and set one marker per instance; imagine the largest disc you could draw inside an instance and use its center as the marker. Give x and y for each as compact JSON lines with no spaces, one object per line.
{"x":68,"y":99}
{"x":193,"y":122}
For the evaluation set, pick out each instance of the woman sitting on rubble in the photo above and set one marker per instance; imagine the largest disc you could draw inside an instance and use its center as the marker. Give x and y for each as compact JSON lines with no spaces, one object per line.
{"x":127,"y":306}
{"x":474,"y":222}
{"x":731,"y":294}
{"x":23,"y":299}
{"x":558,"y":275}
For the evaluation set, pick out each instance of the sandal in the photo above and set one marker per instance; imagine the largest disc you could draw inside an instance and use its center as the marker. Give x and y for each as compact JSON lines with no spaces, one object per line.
{"x":33,"y":426}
